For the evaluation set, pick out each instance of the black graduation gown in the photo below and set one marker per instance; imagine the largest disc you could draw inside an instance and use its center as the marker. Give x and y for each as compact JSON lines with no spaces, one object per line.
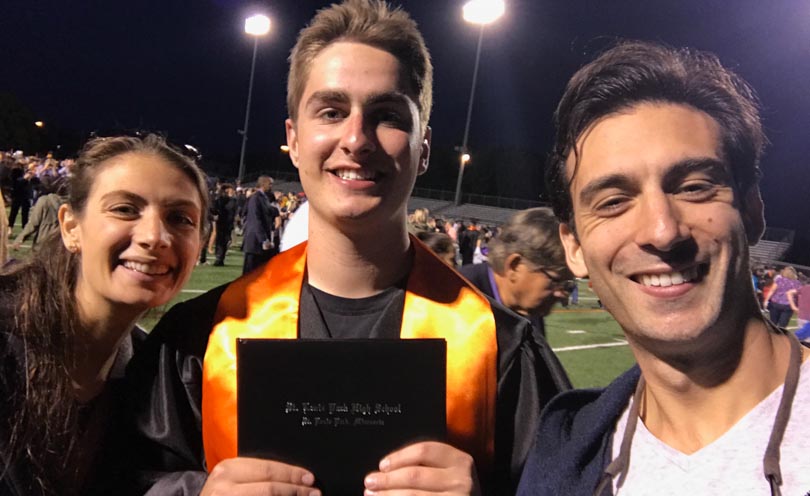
{"x":167,"y":390}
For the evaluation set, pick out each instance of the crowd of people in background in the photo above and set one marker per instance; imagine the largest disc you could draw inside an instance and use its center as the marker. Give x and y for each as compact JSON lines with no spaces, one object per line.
{"x":469,"y":237}
{"x":34,"y":187}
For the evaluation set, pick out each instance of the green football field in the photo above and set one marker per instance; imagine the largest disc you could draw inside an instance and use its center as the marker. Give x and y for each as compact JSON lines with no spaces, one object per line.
{"x":587,"y":340}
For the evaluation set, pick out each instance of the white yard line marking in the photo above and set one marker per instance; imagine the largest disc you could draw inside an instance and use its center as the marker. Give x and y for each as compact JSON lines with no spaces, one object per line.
{"x":590,"y":346}
{"x":193,"y":290}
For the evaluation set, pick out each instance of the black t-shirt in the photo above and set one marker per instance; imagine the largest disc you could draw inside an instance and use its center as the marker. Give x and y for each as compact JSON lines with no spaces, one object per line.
{"x":378,"y":316}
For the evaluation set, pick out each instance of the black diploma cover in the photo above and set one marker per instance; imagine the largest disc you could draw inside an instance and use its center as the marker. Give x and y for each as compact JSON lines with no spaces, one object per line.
{"x":337,"y":407}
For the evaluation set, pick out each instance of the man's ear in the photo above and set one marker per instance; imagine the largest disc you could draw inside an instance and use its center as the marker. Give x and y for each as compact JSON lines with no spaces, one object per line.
{"x":573,"y":251}
{"x":510,"y":266}
{"x":292,"y":141}
{"x":753,"y":214}
{"x":69,"y":228}
{"x":424,"y":155}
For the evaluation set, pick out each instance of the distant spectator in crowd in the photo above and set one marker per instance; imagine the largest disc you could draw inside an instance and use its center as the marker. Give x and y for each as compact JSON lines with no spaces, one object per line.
{"x":208,"y":241}
{"x":467,"y":241}
{"x":481,"y":248}
{"x":68,"y":316}
{"x":21,"y":196}
{"x":44,"y":219}
{"x":526,"y":268}
{"x":777,"y":302}
{"x":296,"y":230}
{"x":261,"y":222}
{"x":418,"y":221}
{"x":225,"y":214}
{"x":440,"y":244}
{"x":4,"y":232}
{"x":757,"y":274}
{"x":241,"y":207}
{"x":800,"y":301}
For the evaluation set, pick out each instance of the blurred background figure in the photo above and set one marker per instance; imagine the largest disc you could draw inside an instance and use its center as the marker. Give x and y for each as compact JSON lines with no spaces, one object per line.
{"x":418,"y":221}
{"x":296,"y":230}
{"x":777,"y":303}
{"x":225,"y":207}
{"x":22,"y":193}
{"x":441,"y":245}
{"x":526,"y":268}
{"x":261,"y":224}
{"x":44,"y":221}
{"x":800,"y":300}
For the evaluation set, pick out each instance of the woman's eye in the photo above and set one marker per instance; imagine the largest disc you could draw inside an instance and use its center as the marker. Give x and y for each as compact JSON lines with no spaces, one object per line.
{"x":181,"y":218}
{"x":124,"y":210}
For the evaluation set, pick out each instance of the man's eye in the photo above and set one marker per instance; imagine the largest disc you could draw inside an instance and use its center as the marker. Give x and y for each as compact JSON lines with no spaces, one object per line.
{"x":394,"y":118}
{"x":330,"y":114}
{"x":698,"y":190}
{"x":611,"y":205}
{"x":390,"y":116}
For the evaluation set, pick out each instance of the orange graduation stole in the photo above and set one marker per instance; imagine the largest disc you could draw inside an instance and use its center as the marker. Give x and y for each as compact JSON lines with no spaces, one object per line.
{"x":438,"y":304}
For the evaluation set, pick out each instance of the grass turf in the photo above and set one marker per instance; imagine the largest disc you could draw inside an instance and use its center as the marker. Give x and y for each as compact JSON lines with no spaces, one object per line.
{"x":587,"y":340}
{"x":584,"y":324}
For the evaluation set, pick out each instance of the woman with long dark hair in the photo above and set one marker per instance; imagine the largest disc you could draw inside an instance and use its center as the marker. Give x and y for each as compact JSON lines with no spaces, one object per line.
{"x":130,"y":236}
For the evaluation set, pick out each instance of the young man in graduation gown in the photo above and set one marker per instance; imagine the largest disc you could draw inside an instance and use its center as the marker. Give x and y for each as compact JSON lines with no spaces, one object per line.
{"x":359,"y":98}
{"x":655,"y":177}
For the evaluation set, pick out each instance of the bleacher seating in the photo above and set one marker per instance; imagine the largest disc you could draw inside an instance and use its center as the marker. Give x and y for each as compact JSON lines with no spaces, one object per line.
{"x":769,"y":251}
{"x":434,"y":206}
{"x":487,"y":215}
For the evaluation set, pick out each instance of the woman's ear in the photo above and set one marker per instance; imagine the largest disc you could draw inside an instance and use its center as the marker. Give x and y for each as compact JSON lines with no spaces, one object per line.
{"x":69,"y":228}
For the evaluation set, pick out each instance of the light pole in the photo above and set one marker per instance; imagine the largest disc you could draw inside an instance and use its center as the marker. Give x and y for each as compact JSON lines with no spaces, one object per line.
{"x":481,"y":12}
{"x":256,"y":25}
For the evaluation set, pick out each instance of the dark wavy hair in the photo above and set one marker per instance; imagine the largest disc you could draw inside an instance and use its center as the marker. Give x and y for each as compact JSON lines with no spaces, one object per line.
{"x":634,"y":72}
{"x":41,"y":315}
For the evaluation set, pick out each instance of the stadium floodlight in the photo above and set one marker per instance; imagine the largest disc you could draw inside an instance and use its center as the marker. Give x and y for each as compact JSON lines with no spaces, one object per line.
{"x":256,"y":25}
{"x":481,"y":12}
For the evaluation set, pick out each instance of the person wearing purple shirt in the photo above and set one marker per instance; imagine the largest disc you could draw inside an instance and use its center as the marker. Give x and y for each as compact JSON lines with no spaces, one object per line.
{"x":777,"y":302}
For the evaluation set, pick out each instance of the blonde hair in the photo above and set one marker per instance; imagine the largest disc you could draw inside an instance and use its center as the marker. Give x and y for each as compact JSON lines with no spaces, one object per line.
{"x":371,"y":22}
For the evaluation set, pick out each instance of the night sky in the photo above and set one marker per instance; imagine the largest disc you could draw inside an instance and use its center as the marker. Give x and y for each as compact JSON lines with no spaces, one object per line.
{"x":182,"y":67}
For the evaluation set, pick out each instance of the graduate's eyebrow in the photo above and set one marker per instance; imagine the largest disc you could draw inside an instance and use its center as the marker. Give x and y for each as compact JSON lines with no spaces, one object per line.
{"x":340,"y":97}
{"x":396,"y":97}
{"x":327,"y":96}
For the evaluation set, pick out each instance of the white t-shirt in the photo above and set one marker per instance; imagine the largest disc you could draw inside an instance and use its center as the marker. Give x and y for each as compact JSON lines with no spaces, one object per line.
{"x":296,"y":230}
{"x":732,"y":464}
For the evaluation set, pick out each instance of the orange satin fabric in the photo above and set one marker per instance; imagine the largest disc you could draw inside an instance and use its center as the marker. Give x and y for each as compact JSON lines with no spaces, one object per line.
{"x":438,"y":304}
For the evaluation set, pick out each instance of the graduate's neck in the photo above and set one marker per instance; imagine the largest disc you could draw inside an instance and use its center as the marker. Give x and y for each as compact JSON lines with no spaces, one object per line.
{"x":359,"y":263}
